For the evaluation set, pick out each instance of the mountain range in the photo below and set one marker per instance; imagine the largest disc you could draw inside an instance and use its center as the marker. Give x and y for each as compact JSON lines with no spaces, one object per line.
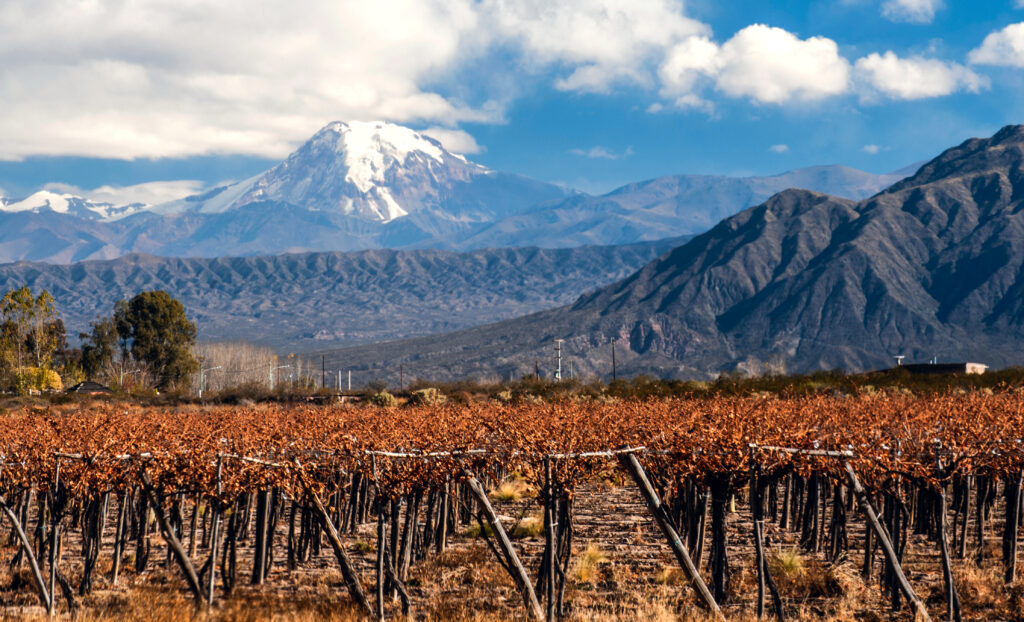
{"x":933,"y":266}
{"x":296,"y":302}
{"x":371,"y":185}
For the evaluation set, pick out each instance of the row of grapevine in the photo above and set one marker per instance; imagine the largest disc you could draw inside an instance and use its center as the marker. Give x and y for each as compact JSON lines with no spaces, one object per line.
{"x":808,"y":464}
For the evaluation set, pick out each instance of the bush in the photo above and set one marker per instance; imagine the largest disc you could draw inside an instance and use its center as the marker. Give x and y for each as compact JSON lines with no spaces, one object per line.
{"x":383,"y":400}
{"x":37,"y":379}
{"x":428,"y":397}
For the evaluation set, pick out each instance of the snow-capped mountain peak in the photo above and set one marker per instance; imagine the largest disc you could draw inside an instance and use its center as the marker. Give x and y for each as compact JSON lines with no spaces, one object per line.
{"x":70,"y":204}
{"x":375,"y":171}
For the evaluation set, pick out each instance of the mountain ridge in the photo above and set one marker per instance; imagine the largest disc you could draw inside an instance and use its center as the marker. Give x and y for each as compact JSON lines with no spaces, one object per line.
{"x":355,"y":186}
{"x":933,"y":266}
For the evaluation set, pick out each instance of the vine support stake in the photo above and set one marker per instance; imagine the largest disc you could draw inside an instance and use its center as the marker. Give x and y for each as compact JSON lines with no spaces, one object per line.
{"x":348,"y":570}
{"x":518,"y":572}
{"x":37,"y":575}
{"x":636,"y":471}
{"x":883,"y":539}
{"x":178,"y":551}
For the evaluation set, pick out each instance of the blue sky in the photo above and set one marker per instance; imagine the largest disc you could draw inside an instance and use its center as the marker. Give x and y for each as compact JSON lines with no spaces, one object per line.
{"x":591,"y":94}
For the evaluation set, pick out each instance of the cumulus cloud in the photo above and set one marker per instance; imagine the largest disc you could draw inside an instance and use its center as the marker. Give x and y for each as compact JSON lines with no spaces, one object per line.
{"x":1004,"y":47}
{"x":183,"y":77}
{"x":763,"y":63}
{"x":914,"y":11}
{"x":916,"y":77}
{"x":602,"y":153}
{"x":151,"y":193}
{"x":172,"y":77}
{"x":779,"y":148}
{"x":456,"y":141}
{"x":871,"y":149}
{"x":604,"y":41}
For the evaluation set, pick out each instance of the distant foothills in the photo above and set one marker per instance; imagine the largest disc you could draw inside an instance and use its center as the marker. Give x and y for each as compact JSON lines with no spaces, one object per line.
{"x":815,"y":269}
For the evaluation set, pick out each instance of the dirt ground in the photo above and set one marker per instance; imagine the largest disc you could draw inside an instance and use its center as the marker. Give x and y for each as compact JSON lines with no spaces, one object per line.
{"x":621,"y":570}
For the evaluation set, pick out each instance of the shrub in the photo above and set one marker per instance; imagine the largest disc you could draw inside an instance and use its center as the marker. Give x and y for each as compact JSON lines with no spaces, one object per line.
{"x":37,"y":379}
{"x":384,"y":400}
{"x":427,"y":397}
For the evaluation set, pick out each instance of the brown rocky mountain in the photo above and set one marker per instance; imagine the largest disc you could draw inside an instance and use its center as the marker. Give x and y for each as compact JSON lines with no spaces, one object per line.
{"x":932,"y":266}
{"x":302,"y":301}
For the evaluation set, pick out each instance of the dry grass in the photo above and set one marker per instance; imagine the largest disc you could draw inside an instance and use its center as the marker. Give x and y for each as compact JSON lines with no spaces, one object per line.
{"x":512,"y":489}
{"x":531,"y":526}
{"x":588,"y":563}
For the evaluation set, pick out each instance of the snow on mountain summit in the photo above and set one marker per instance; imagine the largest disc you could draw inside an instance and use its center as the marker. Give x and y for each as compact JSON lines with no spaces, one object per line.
{"x":376,"y":171}
{"x":70,"y":204}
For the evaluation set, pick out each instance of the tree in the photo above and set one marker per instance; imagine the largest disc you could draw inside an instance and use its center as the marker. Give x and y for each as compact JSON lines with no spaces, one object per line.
{"x":155,"y":327}
{"x":30,"y":332}
{"x":99,"y":347}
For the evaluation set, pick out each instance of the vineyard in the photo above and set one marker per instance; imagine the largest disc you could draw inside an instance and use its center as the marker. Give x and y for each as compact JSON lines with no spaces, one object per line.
{"x":253,"y":494}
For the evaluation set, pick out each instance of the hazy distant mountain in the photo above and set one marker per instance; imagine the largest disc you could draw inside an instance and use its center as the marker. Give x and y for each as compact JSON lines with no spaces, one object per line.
{"x":304,"y":301}
{"x":674,"y":205}
{"x":933,"y":266}
{"x":357,"y":186}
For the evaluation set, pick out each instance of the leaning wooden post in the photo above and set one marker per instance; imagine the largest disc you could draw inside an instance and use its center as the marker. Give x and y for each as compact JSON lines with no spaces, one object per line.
{"x":37,"y":575}
{"x":516,"y":569}
{"x":636,"y":471}
{"x":180,"y":555}
{"x":348,"y":570}
{"x":883,"y":540}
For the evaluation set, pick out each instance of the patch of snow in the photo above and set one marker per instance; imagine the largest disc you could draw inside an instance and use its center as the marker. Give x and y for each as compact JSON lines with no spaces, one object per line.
{"x":41,"y":200}
{"x":371,"y":147}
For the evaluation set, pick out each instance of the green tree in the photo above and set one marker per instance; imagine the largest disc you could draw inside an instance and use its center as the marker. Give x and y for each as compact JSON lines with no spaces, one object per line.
{"x":99,"y":348}
{"x":155,"y":327}
{"x":30,"y":332}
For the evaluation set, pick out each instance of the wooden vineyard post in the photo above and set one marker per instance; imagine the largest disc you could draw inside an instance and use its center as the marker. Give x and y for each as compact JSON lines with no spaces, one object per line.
{"x":180,"y":555}
{"x":122,"y":513}
{"x":549,"y":542}
{"x":1013,"y":492}
{"x":636,"y":471}
{"x":214,"y":533}
{"x":37,"y":575}
{"x":51,"y":608}
{"x":885,"y":542}
{"x":764,"y":577}
{"x":952,"y":598}
{"x":515,"y":567}
{"x":348,"y":570}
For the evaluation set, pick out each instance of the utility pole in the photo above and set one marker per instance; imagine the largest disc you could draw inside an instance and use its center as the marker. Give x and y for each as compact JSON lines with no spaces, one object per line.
{"x":350,"y":380}
{"x":536,"y":370}
{"x":613,"y":362}
{"x":558,"y":359}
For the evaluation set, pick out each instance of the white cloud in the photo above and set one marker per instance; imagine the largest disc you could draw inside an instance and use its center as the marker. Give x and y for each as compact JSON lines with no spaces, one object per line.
{"x":1004,"y":47}
{"x":181,"y":77}
{"x":916,"y":77}
{"x":456,"y":141}
{"x":766,"y":64}
{"x":871,"y":149}
{"x":602,"y":153}
{"x":915,"y":11}
{"x":151,"y":193}
{"x":779,"y":148}
{"x":603,"y":42}
{"x":1019,"y":4}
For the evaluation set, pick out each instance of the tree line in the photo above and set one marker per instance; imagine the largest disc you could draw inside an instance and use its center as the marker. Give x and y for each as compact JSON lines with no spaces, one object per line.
{"x":146,"y":341}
